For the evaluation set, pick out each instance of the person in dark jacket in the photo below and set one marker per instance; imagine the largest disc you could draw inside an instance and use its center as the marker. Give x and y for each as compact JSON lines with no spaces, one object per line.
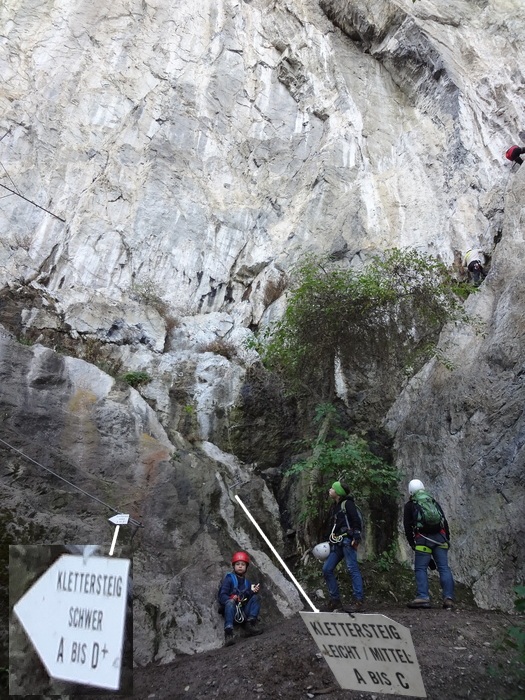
{"x":431,"y":544}
{"x":344,"y":538}
{"x":474,"y":264}
{"x":239,"y":600}
{"x":514,"y":153}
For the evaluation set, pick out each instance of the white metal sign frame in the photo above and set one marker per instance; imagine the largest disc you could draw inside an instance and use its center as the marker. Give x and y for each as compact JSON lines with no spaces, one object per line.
{"x":74,"y":615}
{"x":371,"y":653}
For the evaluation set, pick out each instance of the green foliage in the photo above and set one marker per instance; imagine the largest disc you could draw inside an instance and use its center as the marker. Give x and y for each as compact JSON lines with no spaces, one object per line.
{"x":464,"y":289}
{"x":135,"y":379}
{"x":515,"y":640}
{"x":387,"y":314}
{"x":387,"y":559}
{"x":519,"y":604}
{"x":347,"y":458}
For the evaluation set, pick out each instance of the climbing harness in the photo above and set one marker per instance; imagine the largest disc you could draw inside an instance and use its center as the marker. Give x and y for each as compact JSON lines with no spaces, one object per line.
{"x":337,"y":539}
{"x":428,"y":550}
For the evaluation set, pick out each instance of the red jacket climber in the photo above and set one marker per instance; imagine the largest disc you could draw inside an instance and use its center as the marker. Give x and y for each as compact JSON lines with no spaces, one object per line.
{"x":514,"y":154}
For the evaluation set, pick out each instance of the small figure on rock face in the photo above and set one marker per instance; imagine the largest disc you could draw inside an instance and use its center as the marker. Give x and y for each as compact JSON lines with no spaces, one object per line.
{"x":514,"y":153}
{"x":474,"y":264}
{"x":428,"y":534}
{"x":239,"y":601}
{"x":344,"y":540}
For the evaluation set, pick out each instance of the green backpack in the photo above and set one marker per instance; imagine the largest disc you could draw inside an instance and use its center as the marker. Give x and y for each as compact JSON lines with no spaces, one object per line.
{"x":429,"y":517}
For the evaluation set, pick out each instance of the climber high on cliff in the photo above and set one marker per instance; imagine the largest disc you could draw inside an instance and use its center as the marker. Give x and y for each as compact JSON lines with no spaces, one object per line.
{"x":514,"y":153}
{"x":474,"y":265}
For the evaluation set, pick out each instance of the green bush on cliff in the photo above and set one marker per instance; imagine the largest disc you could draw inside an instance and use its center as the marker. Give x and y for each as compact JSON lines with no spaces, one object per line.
{"x":372,"y":327}
{"x":346,"y":458}
{"x":135,"y":379}
{"x":337,"y":455}
{"x":387,"y":314}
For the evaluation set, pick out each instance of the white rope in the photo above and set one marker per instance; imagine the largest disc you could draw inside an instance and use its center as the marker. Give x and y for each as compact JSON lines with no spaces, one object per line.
{"x":294,"y":580}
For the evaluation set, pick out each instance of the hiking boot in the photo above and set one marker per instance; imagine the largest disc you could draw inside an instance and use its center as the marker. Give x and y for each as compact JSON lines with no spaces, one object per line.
{"x":419,"y":603}
{"x":333,"y":605}
{"x":251,"y":629}
{"x":229,"y":638}
{"x":448,"y":604}
{"x":356,"y":606}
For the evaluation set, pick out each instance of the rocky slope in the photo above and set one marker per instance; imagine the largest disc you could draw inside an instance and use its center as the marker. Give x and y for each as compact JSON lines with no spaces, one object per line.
{"x":189,"y":157}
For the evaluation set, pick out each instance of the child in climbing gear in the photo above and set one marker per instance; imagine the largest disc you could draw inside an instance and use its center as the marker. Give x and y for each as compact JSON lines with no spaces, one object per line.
{"x":239,"y":600}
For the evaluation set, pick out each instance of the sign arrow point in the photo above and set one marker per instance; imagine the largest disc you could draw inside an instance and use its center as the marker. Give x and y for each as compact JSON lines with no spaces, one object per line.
{"x":74,"y":613}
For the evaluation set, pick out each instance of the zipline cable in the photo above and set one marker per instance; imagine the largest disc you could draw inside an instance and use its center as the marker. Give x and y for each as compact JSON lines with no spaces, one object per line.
{"x":10,"y":179}
{"x":33,"y":203}
{"x":30,"y":459}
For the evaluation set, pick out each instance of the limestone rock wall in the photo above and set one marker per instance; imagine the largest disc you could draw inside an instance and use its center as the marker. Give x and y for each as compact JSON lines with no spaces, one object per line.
{"x":189,"y":156}
{"x":100,"y":435}
{"x":194,"y":157}
{"x":201,"y":152}
{"x":462,"y":429}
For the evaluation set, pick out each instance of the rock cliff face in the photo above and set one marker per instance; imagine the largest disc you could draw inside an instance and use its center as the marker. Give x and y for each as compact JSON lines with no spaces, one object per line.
{"x":463,"y":428}
{"x":173,"y":164}
{"x":101,"y":436}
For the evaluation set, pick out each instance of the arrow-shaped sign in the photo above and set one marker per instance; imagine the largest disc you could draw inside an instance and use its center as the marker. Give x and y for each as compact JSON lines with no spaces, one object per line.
{"x":74,"y":616}
{"x":120,"y":519}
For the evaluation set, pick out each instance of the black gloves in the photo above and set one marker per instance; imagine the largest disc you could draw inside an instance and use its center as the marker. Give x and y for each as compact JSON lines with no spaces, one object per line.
{"x":356,"y":537}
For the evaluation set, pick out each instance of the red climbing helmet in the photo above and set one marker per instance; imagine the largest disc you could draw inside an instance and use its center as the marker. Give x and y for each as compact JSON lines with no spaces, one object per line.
{"x":241,"y":556}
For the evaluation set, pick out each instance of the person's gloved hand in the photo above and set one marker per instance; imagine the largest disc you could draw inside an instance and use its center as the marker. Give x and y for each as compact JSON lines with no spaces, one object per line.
{"x":356,"y":538}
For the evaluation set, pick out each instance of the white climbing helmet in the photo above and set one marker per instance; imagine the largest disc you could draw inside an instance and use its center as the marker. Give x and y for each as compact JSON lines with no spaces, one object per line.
{"x":321,"y":551}
{"x":415,"y":485}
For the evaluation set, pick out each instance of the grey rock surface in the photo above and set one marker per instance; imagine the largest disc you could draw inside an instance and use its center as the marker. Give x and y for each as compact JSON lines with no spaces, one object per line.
{"x":461,"y":429}
{"x":190,"y":156}
{"x":69,"y":417}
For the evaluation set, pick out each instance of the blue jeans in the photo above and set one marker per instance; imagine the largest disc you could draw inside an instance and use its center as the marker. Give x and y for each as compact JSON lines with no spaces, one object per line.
{"x":348,"y":553}
{"x":250,"y":610}
{"x":439,"y":546}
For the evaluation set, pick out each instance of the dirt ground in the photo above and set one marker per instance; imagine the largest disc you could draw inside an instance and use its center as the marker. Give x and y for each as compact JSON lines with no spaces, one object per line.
{"x":461,"y":654}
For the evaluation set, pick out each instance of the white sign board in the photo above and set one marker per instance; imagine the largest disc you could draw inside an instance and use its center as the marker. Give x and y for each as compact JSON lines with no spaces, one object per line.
{"x":371,"y":653}
{"x":120,"y":519}
{"x":74,"y":615}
